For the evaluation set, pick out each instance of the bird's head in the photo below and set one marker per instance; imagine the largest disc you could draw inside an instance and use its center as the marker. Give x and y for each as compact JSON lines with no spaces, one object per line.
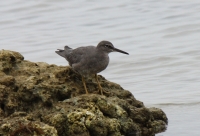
{"x":108,"y":47}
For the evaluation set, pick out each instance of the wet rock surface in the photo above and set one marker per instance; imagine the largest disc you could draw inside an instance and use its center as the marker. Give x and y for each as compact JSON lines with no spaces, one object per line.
{"x":49,"y":100}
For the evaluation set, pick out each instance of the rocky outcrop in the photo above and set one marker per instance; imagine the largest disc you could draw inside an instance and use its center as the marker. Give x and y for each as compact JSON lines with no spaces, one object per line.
{"x":49,"y":100}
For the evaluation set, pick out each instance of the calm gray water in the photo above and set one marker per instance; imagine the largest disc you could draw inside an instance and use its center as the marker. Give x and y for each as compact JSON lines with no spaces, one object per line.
{"x":162,"y":37}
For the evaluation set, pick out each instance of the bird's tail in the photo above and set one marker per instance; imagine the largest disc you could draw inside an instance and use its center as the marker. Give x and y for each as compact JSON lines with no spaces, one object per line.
{"x":65,"y":52}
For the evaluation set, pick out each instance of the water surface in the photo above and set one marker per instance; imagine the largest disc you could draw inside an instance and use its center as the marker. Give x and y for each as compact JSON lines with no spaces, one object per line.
{"x":162,"y":38}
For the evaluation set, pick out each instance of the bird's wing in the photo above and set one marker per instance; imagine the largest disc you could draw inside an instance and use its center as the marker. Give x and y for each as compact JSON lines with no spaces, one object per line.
{"x":76,"y":55}
{"x":79,"y":55}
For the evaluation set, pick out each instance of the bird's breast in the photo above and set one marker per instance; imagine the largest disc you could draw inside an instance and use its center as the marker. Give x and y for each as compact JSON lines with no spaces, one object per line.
{"x":96,"y":64}
{"x":102,"y":64}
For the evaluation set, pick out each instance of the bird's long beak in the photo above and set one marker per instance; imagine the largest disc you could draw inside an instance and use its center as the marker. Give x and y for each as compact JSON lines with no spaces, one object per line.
{"x":118,"y":50}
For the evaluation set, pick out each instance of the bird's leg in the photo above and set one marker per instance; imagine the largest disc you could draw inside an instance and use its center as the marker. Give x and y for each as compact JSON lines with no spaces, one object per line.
{"x":100,"y":88}
{"x":83,"y":80}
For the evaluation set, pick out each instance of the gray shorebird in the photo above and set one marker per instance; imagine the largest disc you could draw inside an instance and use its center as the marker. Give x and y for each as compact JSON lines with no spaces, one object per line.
{"x":89,"y":60}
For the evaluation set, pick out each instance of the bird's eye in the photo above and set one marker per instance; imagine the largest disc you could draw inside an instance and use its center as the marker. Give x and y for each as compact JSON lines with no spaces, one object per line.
{"x":107,"y":46}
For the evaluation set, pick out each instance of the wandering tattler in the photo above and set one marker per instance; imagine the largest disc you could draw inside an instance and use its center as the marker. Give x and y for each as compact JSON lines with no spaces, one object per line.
{"x":89,"y":60}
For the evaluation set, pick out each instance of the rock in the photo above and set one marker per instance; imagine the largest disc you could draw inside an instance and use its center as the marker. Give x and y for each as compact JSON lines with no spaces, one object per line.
{"x":49,"y":100}
{"x":20,"y":126}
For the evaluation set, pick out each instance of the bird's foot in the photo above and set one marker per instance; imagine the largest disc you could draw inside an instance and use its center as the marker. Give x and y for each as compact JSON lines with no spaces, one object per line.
{"x":104,"y":91}
{"x":100,"y":88}
{"x":101,"y":91}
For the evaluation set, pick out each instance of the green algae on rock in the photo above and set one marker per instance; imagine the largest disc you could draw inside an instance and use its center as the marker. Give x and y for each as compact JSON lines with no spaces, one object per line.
{"x":42,"y":99}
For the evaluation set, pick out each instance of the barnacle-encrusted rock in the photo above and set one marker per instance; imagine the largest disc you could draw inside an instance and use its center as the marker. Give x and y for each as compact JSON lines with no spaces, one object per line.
{"x":18,"y":125}
{"x":49,"y":100}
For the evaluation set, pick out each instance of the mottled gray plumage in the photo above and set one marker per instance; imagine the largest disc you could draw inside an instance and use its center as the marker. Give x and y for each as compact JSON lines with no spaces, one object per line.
{"x":89,"y":60}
